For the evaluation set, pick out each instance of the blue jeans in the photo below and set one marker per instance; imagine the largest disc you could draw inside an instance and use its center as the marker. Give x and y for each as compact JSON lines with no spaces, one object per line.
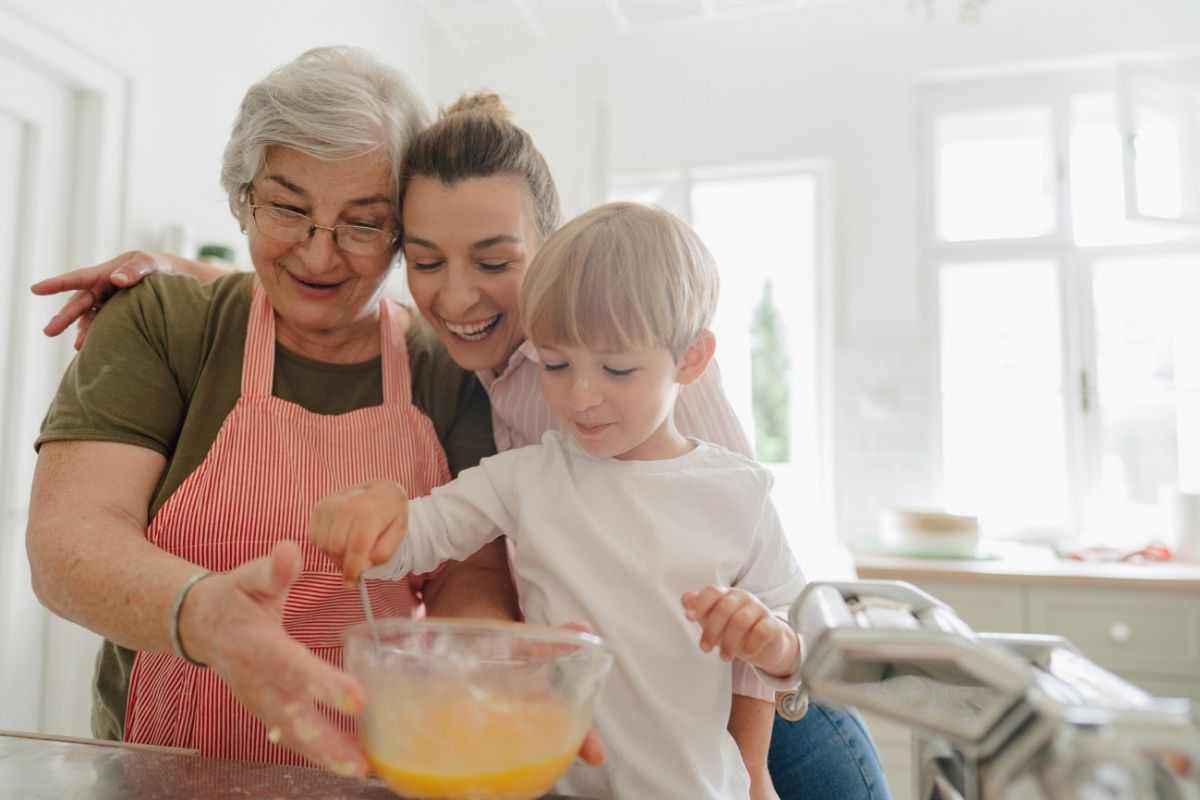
{"x":827,"y":755}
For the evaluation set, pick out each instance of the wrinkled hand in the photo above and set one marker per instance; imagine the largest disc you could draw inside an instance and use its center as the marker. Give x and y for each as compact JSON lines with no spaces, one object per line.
{"x":360,"y":527}
{"x":232,"y":622}
{"x":92,"y":287}
{"x":742,"y":627}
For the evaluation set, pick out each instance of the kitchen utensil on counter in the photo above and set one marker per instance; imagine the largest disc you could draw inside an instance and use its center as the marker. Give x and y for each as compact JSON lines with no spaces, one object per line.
{"x":995,"y":715}
{"x":473,"y":710}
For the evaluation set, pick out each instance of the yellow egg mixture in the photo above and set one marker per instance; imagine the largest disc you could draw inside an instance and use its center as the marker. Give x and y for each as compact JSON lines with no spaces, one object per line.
{"x":465,"y":749}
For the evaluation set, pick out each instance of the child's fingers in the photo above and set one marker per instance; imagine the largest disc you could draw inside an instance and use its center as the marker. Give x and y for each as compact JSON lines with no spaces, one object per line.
{"x":592,"y":749}
{"x":364,"y":529}
{"x":734,"y":640}
{"x":717,"y":619}
{"x":328,"y":528}
{"x":756,"y":639}
{"x":698,"y":604}
{"x":319,"y":524}
{"x":385,"y":546}
{"x":688,"y":599}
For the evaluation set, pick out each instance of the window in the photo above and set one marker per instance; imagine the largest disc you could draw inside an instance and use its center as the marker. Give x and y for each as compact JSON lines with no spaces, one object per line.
{"x":767,"y":229}
{"x":1160,"y":125}
{"x":1002,"y":392}
{"x":1070,"y":362}
{"x":1011,"y":152}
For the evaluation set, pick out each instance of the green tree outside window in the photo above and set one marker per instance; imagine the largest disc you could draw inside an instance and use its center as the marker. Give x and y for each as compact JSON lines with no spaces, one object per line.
{"x":769,"y":380}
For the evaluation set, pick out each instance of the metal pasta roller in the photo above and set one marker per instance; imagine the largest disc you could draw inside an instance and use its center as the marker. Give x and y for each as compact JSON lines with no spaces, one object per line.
{"x":995,"y":716}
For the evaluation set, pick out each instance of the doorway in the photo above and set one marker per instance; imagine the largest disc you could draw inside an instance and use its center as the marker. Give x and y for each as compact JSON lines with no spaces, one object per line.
{"x":62,"y":121}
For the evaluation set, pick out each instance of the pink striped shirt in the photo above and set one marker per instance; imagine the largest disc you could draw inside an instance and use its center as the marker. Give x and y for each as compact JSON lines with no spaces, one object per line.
{"x":702,"y":411}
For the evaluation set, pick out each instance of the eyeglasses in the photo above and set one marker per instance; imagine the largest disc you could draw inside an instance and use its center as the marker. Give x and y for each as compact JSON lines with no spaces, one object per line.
{"x":285,"y":225}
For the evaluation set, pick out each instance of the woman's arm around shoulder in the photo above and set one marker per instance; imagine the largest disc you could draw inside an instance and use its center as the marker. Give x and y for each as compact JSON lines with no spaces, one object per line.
{"x":131,"y":383}
{"x":91,"y":287}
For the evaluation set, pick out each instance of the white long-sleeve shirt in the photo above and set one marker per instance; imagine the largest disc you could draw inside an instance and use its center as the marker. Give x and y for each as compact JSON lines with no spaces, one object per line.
{"x":520,"y":415}
{"x":615,"y":544}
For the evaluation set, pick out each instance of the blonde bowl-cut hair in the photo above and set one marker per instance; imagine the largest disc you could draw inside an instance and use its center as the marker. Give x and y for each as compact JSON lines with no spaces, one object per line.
{"x":331,"y":103}
{"x":623,"y":275}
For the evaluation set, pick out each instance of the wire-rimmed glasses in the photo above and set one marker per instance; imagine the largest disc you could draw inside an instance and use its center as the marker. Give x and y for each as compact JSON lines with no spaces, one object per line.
{"x":286,"y":225}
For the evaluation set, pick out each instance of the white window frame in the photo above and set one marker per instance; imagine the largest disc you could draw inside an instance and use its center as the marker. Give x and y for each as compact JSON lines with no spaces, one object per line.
{"x":822,"y":174}
{"x":1042,"y":87}
{"x":96,"y":228}
{"x":1180,"y":70}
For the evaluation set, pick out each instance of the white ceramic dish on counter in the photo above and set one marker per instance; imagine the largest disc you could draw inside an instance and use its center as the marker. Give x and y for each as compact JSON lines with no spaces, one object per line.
{"x":928,"y":533}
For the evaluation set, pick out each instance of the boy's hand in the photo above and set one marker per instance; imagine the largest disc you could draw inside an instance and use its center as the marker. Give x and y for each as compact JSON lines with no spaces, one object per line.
{"x":360,"y":527}
{"x":742,"y":627}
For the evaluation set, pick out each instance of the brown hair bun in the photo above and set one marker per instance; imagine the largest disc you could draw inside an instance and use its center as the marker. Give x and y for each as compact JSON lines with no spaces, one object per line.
{"x":488,"y":103}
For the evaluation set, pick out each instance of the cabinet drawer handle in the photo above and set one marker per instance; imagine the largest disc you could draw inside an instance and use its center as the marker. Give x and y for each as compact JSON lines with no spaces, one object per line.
{"x":1120,"y":632}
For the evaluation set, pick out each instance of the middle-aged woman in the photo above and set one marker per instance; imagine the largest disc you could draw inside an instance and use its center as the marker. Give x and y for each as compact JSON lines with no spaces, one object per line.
{"x":199,"y":424}
{"x":477,"y":201}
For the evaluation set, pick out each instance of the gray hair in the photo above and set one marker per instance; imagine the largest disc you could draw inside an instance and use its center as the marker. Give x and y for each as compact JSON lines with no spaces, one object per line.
{"x":330,"y":103}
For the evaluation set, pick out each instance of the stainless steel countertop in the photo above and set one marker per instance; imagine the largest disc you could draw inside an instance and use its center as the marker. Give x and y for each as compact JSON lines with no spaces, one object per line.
{"x":59,"y":769}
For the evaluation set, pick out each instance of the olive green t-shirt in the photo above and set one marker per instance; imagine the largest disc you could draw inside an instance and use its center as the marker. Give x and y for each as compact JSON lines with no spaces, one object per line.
{"x":162,"y":368}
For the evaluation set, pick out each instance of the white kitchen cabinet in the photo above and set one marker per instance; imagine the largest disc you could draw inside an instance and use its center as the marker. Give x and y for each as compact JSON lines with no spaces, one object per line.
{"x":1141,"y":622}
{"x":1130,"y":632}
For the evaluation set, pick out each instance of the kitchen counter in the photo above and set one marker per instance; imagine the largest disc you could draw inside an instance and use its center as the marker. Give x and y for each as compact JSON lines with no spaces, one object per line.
{"x":41,"y":768}
{"x":1032,"y":571}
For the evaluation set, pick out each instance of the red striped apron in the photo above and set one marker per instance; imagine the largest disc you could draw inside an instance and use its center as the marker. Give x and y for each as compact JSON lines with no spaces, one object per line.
{"x":270,"y":463}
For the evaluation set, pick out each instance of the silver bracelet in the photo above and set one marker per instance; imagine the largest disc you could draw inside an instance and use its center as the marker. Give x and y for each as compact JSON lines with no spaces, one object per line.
{"x":173,"y":617}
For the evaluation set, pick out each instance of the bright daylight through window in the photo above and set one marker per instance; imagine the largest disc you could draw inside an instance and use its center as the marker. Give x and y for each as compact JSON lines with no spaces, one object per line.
{"x":765,"y":228}
{"x":1070,"y":355}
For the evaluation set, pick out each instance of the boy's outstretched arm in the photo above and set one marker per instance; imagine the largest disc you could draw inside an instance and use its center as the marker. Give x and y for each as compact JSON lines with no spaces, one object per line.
{"x":750,"y":723}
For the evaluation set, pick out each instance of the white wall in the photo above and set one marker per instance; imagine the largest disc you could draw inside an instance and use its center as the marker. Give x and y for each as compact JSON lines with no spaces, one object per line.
{"x":187,"y":66}
{"x":835,"y":80}
{"x":190,"y":63}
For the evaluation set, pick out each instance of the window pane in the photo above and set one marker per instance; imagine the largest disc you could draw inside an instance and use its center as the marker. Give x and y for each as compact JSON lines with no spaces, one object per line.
{"x":1164,"y":107}
{"x":762,"y":233}
{"x":1148,"y":391}
{"x":1097,"y":187}
{"x":1003,"y":434}
{"x":995,"y":175}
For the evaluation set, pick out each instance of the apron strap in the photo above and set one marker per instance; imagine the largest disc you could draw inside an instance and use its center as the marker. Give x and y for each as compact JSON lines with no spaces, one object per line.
{"x":397,"y":386}
{"x":258,"y":371}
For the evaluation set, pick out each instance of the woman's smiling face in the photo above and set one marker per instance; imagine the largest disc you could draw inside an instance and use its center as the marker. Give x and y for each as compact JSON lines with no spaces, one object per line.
{"x":466,"y":247}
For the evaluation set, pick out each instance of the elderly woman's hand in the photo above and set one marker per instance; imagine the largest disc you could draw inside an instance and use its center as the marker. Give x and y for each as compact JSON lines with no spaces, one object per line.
{"x":92,"y":286}
{"x":231,"y":621}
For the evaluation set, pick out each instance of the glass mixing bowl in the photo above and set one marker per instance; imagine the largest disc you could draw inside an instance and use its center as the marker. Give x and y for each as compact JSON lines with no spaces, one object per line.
{"x":474,"y":710}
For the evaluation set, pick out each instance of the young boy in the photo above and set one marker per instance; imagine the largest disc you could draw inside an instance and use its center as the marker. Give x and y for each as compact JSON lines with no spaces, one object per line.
{"x":616,"y":519}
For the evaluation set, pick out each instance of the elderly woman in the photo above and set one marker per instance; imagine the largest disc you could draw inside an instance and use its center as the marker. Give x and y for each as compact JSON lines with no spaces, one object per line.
{"x":200,"y":423}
